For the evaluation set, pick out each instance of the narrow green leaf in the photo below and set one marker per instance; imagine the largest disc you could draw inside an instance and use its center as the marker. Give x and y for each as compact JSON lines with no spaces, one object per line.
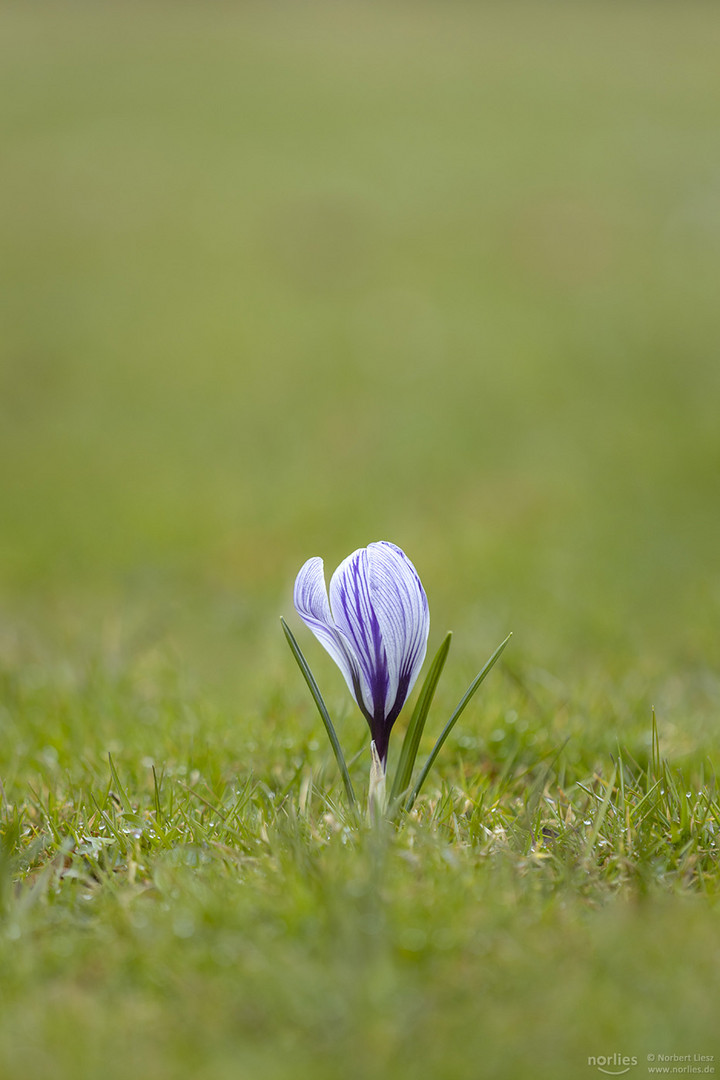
{"x":158,"y":805}
{"x":655,"y":745}
{"x":452,"y":721}
{"x":600,"y":815}
{"x":411,"y":742}
{"x":322,"y":709}
{"x":121,"y":792}
{"x":119,"y":836}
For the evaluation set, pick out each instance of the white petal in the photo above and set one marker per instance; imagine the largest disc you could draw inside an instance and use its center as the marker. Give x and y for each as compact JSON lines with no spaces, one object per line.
{"x":311,"y":604}
{"x":354,"y":616}
{"x":380,"y":606}
{"x":401,"y":607}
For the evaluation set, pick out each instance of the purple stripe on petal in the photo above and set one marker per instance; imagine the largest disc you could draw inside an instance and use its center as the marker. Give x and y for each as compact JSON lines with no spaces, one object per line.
{"x":356,"y":618}
{"x":401,"y":607}
{"x":311,"y":604}
{"x":375,"y":626}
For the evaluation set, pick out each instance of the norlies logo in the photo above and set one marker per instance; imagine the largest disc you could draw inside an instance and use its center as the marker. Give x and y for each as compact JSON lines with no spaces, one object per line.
{"x":613,"y":1064}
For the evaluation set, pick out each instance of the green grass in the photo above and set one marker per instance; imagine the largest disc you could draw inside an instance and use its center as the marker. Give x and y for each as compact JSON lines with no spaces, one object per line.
{"x":279,"y":280}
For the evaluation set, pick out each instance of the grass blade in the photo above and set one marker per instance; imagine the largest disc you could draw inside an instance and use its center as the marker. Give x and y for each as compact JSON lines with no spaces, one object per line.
{"x":120,"y":790}
{"x":411,"y":742}
{"x":158,"y":804}
{"x":453,"y":720}
{"x":600,"y":815}
{"x":322,"y":709}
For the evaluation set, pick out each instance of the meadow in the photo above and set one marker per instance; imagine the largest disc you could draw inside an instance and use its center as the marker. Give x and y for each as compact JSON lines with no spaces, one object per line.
{"x":279,"y":280}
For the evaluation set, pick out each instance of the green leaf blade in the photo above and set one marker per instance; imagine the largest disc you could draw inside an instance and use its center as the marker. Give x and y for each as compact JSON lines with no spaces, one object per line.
{"x":465,"y":701}
{"x":600,"y":815}
{"x":322,"y":709}
{"x":120,"y":790}
{"x":411,"y":742}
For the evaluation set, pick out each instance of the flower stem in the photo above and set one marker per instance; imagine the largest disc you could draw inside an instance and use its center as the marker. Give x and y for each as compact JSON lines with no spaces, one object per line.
{"x":377,"y":795}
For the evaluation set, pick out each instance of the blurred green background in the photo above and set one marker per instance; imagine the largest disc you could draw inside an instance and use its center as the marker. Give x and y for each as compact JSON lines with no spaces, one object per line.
{"x":280,"y":279}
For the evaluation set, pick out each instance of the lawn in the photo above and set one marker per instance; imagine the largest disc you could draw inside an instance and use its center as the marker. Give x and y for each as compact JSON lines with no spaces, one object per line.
{"x":279,"y":280}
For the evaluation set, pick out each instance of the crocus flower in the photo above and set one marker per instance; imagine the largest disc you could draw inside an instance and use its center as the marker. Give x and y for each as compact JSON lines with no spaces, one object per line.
{"x":375,"y":626}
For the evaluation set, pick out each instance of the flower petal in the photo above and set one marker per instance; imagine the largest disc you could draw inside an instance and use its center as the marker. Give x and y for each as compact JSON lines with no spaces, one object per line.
{"x":355,"y":617}
{"x":401,"y":607}
{"x":311,"y":603}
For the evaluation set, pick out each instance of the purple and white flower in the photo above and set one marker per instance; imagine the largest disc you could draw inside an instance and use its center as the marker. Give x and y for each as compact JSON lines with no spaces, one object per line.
{"x":375,"y":626}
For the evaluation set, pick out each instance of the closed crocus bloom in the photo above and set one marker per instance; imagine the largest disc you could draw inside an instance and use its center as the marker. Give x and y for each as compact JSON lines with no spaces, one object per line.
{"x":374,"y":624}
